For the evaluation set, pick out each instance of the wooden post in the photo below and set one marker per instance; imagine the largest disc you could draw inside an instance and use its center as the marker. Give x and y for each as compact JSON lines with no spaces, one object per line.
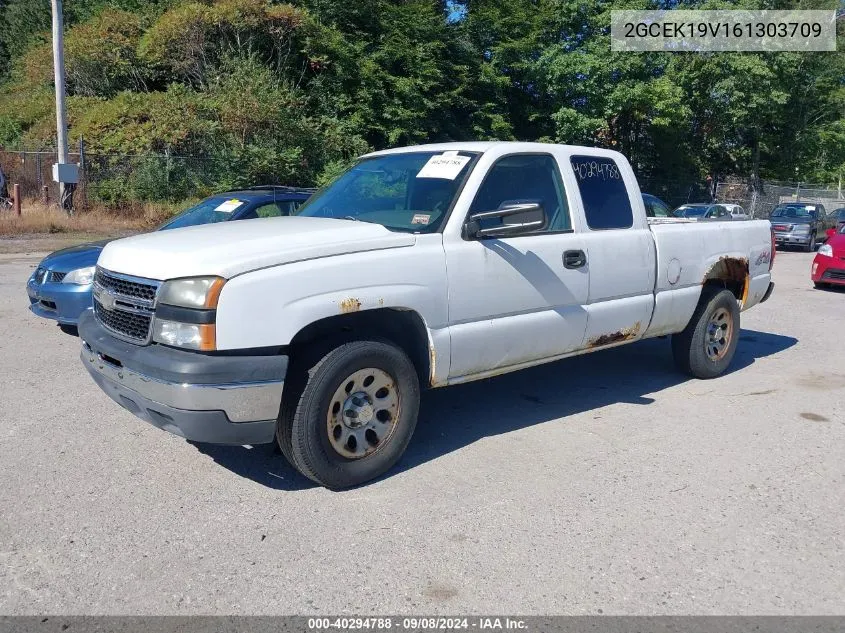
{"x":17,"y":199}
{"x":45,"y":194}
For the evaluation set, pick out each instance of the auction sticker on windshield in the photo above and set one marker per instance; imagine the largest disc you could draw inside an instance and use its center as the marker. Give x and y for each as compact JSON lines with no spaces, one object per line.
{"x":229,"y":205}
{"x":446,"y":165}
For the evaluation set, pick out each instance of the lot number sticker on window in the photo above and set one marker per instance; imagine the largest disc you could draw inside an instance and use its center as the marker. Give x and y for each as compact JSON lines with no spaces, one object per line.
{"x":447,"y":166}
{"x":229,"y":206}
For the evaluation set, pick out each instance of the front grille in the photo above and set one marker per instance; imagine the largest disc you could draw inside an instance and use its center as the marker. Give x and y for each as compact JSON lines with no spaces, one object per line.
{"x":834,"y":273}
{"x":57,"y":277}
{"x":125,"y":287}
{"x":125,"y":305}
{"x":128,"y":324}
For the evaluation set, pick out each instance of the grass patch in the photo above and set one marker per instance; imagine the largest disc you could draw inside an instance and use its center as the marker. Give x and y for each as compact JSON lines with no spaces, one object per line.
{"x":38,"y":218}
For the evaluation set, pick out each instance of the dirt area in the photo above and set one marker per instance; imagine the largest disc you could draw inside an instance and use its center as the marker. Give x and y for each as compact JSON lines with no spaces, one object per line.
{"x":607,"y":483}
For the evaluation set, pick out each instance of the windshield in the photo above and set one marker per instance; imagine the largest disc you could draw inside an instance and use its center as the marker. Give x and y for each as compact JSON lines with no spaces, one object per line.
{"x":690,"y":211}
{"x":409,"y":192}
{"x":795,"y":211}
{"x":209,"y":211}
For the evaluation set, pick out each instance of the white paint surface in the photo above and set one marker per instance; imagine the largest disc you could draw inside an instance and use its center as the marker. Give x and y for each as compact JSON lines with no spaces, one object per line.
{"x":490,"y":306}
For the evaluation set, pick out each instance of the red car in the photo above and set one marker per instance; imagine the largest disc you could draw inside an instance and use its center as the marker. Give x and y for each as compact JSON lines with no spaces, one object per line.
{"x":829,"y":264}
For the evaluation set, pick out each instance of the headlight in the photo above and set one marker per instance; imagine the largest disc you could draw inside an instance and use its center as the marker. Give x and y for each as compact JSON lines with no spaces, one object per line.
{"x":80,"y":276}
{"x":193,"y":292}
{"x":827,"y":250}
{"x":191,"y":335}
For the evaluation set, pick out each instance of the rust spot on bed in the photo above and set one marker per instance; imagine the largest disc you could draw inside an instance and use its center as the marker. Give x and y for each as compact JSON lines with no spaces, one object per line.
{"x":615,"y":337}
{"x":350,"y":305}
{"x":728,"y":268}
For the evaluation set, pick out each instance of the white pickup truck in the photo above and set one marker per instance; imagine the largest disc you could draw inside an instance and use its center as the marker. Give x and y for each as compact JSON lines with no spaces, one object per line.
{"x":418,"y":267}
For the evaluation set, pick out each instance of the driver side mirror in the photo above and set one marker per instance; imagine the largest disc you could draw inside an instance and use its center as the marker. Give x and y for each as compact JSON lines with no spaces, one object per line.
{"x":515,"y":219}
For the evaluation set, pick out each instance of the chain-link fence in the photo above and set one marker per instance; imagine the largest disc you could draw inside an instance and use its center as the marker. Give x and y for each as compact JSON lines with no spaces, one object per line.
{"x":760,"y":201}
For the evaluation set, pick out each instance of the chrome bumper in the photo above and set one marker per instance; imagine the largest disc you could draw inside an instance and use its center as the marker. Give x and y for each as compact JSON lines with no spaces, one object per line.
{"x":792,"y":238}
{"x":241,"y":402}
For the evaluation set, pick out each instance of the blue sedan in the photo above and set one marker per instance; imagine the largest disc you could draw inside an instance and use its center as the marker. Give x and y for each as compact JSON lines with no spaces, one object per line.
{"x":61,"y":286}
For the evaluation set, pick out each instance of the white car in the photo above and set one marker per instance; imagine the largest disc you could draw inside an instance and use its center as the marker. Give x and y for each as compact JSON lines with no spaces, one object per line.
{"x":419,"y":267}
{"x":736,"y":211}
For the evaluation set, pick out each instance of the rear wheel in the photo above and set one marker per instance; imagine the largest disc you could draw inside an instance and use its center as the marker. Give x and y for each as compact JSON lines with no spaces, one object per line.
{"x":707,"y":345}
{"x":353,"y":415}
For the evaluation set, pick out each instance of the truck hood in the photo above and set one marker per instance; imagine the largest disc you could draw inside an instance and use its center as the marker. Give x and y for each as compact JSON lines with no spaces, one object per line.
{"x":228,"y":249}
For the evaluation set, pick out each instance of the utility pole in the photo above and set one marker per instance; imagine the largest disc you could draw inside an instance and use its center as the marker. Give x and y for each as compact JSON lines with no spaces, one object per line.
{"x":63,"y":173}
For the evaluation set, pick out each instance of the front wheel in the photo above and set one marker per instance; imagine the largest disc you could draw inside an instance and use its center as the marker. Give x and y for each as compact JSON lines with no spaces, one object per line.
{"x":707,"y":345}
{"x":811,"y":245}
{"x":354,"y":415}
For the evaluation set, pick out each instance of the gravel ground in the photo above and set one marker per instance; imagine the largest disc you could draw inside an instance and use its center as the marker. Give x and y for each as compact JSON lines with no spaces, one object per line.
{"x":607,"y":483}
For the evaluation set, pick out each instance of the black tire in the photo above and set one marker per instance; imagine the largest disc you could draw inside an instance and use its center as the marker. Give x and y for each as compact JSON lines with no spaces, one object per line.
{"x":820,"y":285}
{"x":302,"y":429}
{"x":689,"y":347}
{"x":811,"y":245}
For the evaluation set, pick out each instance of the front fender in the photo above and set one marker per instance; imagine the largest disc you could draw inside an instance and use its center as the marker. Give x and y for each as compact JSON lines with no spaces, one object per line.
{"x":267,"y":307}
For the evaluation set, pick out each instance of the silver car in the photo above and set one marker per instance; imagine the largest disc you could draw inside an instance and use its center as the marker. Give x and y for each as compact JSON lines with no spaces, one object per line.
{"x":803,"y":224}
{"x":736,"y":211}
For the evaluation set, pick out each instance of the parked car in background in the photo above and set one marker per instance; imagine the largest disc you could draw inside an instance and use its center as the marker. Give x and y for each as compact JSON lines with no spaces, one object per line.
{"x":803,"y":224}
{"x":655,"y":207}
{"x":829,"y":265}
{"x":702,"y":211}
{"x":838,"y":216}
{"x":60,"y":288}
{"x":736,"y":211}
{"x":418,"y":267}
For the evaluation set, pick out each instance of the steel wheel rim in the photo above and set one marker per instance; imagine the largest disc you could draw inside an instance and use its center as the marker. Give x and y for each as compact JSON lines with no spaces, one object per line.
{"x":363,"y":413}
{"x":717,"y":340}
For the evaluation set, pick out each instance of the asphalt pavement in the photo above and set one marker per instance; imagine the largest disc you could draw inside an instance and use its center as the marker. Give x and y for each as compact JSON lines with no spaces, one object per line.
{"x":607,"y":483}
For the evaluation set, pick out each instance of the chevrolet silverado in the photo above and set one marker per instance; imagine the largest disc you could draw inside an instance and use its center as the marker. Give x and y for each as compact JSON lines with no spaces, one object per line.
{"x":419,"y":267}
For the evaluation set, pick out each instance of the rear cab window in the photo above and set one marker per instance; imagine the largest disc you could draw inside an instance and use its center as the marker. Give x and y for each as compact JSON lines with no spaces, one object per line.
{"x":604,"y":195}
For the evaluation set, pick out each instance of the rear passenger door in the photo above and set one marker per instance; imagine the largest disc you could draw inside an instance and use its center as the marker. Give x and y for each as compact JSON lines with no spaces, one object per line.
{"x":621,"y":254}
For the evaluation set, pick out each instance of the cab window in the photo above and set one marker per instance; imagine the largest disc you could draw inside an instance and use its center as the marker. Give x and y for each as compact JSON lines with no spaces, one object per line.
{"x":524,"y":178}
{"x":603,"y":193}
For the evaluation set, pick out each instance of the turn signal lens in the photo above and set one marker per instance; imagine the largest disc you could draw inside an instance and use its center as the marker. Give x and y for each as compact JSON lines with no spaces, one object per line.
{"x":201,"y":337}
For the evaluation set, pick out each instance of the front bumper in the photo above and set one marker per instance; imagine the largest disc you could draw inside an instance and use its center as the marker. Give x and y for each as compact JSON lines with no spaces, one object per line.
{"x":828,"y":270}
{"x":61,"y":302}
{"x":212,"y":398}
{"x":786,"y":239}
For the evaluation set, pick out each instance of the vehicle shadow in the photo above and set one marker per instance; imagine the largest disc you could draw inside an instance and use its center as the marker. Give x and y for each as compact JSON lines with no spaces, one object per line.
{"x":833,"y":289}
{"x":458,"y":416}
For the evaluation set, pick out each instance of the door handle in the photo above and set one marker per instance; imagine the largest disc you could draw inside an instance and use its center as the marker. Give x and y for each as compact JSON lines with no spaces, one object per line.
{"x":574,"y":259}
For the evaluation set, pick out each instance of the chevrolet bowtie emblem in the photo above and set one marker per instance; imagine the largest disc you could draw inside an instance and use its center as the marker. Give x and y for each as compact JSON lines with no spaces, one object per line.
{"x":105,"y":297}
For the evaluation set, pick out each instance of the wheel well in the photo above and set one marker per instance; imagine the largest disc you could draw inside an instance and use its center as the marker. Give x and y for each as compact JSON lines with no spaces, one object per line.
{"x":404,"y":328}
{"x":730,"y":273}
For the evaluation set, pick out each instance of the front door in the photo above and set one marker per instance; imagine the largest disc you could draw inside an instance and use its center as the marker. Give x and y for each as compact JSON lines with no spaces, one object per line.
{"x":513,"y":301}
